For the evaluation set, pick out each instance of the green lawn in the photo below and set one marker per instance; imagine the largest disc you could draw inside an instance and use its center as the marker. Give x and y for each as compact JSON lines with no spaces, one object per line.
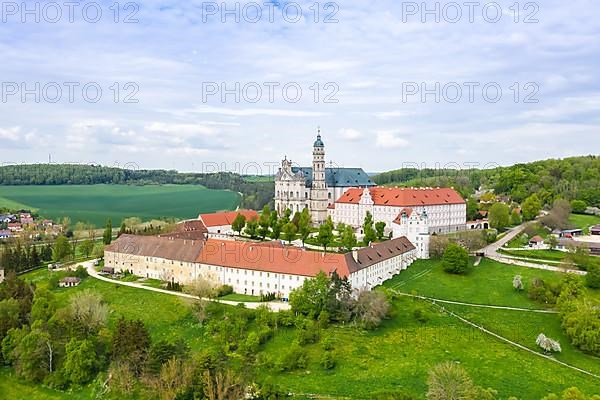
{"x":242,"y":298}
{"x":166,"y":316}
{"x":96,"y":203}
{"x":552,"y":255}
{"x":524,"y":328}
{"x":395,"y":357}
{"x":489,"y":283}
{"x":584,"y":221}
{"x":13,"y":388}
{"x":398,"y":356}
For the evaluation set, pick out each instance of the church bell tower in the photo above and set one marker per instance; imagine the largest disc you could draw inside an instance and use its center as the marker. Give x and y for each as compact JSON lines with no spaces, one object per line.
{"x":318,"y":193}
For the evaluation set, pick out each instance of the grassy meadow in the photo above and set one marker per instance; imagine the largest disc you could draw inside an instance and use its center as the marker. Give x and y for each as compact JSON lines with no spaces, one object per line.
{"x":95,"y":203}
{"x":397,"y":356}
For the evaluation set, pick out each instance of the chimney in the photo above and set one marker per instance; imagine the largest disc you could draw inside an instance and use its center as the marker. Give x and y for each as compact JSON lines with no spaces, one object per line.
{"x":355,"y":255}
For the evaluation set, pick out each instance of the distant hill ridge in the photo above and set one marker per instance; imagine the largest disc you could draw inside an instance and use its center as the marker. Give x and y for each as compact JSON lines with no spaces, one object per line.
{"x":569,"y":178}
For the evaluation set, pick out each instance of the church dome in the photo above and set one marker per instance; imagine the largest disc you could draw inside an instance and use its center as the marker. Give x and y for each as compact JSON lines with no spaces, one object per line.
{"x":318,"y":142}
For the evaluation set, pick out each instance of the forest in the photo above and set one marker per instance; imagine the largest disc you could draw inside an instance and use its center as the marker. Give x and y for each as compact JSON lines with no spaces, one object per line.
{"x":575,"y":178}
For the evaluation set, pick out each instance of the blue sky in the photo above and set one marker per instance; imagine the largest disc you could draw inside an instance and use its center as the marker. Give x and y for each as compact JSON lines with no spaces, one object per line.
{"x":372,"y":56}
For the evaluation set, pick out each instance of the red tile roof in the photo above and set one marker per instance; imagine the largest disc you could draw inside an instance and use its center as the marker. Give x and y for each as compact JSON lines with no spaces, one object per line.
{"x":287,"y":260}
{"x":226,"y":218}
{"x":406,"y":210}
{"x":404,"y":197}
{"x":296,"y":261}
{"x":536,"y":239}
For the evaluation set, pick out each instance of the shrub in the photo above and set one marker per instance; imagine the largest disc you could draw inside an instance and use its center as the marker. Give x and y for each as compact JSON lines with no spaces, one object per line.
{"x":80,"y":272}
{"x":308,"y":334}
{"x":420,"y":314}
{"x":174,"y":286}
{"x":294,"y":358}
{"x":328,"y":343}
{"x":224,"y":290}
{"x":450,"y":381}
{"x":518,"y":282}
{"x":456,"y":259}
{"x":592,"y":279}
{"x":578,"y":206}
{"x":286,"y":318}
{"x":542,"y":292}
{"x":327,"y":360}
{"x":392,"y":395}
{"x":268,"y":297}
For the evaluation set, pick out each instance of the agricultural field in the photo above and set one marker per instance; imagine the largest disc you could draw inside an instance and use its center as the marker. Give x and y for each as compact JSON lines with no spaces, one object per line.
{"x":95,"y":203}
{"x":394,"y":358}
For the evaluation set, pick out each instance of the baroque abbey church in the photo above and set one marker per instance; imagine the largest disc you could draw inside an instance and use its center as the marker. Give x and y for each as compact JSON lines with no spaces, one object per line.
{"x":316,"y":187}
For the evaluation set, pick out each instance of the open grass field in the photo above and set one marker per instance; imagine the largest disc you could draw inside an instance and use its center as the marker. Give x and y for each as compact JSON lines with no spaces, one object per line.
{"x":96,"y":203}
{"x":552,"y":255}
{"x":584,"y":221}
{"x":489,"y":283}
{"x":395,"y":357}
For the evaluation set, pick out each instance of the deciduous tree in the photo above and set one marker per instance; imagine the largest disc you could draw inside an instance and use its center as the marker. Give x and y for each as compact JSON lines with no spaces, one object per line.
{"x":456,"y":259}
{"x":371,"y":308}
{"x":304,"y":224}
{"x":238,"y":223}
{"x":531,"y":207}
{"x":80,"y":361}
{"x":499,"y":216}
{"x":107,"y":236}
{"x":289,"y":232}
{"x":368,"y":230}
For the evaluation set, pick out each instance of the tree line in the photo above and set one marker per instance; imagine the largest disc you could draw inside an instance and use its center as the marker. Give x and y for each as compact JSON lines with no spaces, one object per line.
{"x":575,"y":178}
{"x":256,"y":193}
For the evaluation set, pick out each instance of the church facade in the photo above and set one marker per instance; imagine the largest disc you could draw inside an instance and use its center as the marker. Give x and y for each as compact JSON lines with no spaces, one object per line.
{"x":316,"y":187}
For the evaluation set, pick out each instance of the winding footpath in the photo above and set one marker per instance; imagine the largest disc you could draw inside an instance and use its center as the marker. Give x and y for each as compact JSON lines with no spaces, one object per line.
{"x":273,"y":306}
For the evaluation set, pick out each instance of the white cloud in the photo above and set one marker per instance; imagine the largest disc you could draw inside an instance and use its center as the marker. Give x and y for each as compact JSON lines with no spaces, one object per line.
{"x":369,"y":55}
{"x":393,"y":114}
{"x":390,"y":140}
{"x":253,"y":112}
{"x":350,"y":134}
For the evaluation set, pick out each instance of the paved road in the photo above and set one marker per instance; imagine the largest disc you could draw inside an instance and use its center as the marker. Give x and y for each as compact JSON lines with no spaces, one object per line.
{"x":491,"y":251}
{"x":89,"y":265}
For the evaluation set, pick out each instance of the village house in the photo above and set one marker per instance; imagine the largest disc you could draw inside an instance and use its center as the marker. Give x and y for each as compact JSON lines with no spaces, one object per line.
{"x":536,"y":242}
{"x":15,"y":227}
{"x":6,"y":218}
{"x":69,"y":281}
{"x":4,"y":234}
